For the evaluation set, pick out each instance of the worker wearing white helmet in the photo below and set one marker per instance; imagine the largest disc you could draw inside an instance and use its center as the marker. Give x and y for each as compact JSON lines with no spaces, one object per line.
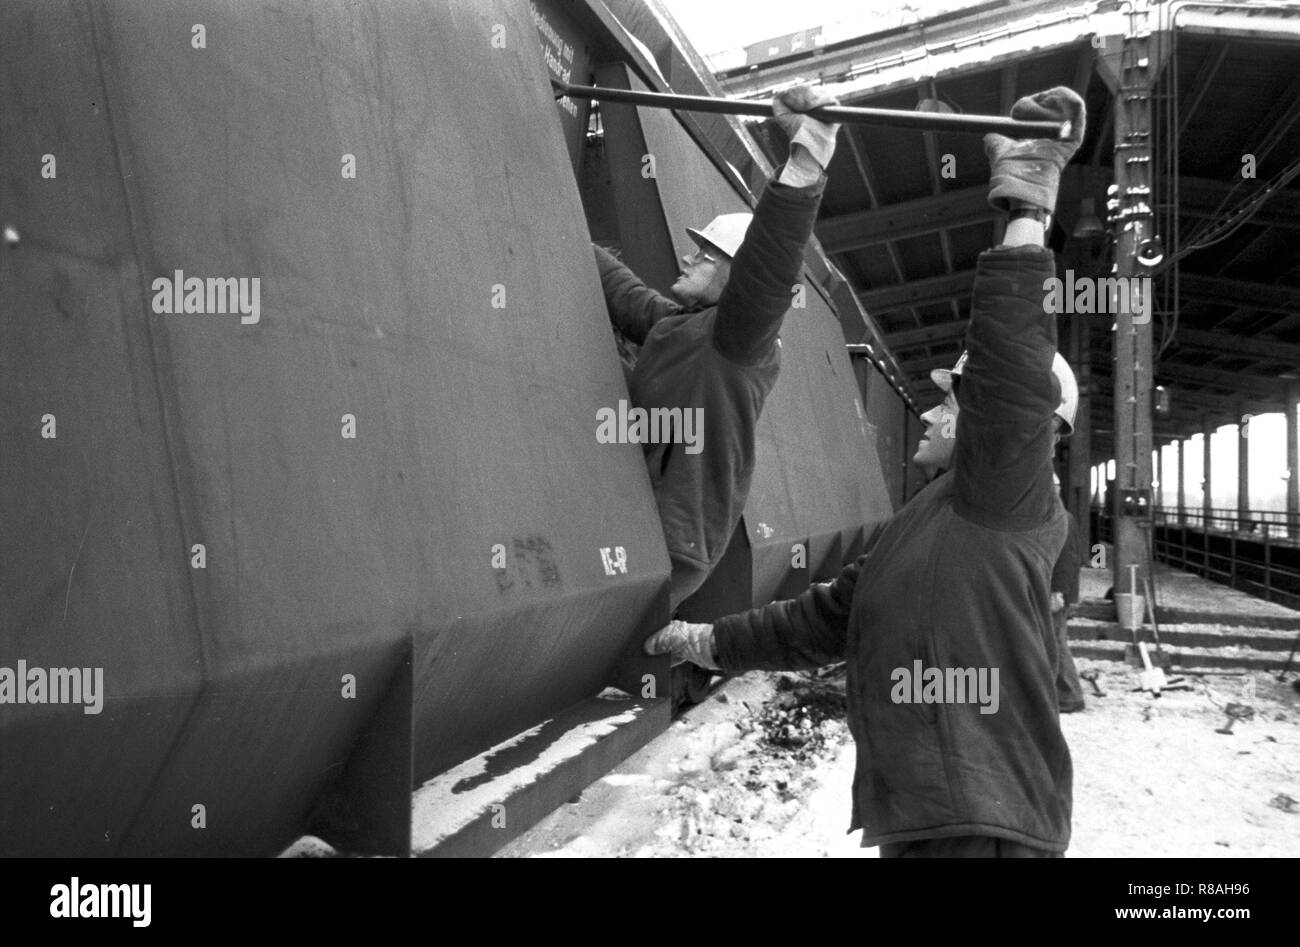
{"x":955,"y":588}
{"x":706,"y":271}
{"x":712,"y":347}
{"x":934,"y":453}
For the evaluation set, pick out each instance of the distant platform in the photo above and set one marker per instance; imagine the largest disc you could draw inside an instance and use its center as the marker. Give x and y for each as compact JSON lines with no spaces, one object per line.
{"x":1201,"y":624}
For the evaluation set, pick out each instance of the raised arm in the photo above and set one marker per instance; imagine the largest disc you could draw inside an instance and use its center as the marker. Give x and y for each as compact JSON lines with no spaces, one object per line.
{"x":758,"y":293}
{"x":1007,"y":393}
{"x":633,"y":306}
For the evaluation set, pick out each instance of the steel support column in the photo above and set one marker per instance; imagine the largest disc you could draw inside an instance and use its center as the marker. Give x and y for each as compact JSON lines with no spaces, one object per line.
{"x":1182,"y":485}
{"x":1131,"y":75}
{"x":1292,"y":460}
{"x":1243,"y":467}
{"x":1207,"y":428}
{"x":1159,"y":482}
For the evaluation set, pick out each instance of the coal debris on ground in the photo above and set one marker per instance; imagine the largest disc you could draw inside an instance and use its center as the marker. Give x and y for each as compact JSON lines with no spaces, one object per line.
{"x":793,"y":720}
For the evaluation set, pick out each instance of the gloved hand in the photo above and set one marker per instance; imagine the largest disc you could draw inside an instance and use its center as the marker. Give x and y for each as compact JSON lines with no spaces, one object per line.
{"x":817,"y":137}
{"x":1030,"y":170}
{"x":685,"y":641}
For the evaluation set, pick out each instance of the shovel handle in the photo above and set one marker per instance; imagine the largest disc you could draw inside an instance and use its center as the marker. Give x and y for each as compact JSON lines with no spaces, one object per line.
{"x":1146,"y":658}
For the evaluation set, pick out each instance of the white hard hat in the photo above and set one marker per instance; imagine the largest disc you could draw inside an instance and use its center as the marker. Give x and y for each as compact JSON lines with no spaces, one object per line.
{"x":1060,"y":368}
{"x":1069,"y":393}
{"x":726,"y":232}
{"x":943,"y":376}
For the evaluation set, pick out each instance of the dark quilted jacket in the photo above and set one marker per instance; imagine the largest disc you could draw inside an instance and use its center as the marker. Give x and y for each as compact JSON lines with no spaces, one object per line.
{"x":958,"y":578}
{"x":723,"y":359}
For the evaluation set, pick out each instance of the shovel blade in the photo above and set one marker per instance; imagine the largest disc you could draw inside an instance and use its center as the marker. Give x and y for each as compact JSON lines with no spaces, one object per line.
{"x":1152,"y":680}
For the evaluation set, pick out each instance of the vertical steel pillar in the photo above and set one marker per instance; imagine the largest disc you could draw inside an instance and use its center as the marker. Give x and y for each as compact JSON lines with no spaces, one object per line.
{"x":1207,"y":428}
{"x":1292,"y":461}
{"x":1243,"y":467}
{"x":1182,"y":485}
{"x":1131,"y":78}
{"x":1160,"y":476}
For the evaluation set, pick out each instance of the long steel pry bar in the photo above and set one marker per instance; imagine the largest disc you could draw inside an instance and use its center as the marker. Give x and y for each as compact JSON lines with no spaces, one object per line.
{"x":895,"y":118}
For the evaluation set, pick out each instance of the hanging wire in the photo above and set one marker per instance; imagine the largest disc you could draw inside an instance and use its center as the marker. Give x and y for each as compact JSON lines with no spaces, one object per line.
{"x":1225,"y":221}
{"x":1218,"y":230}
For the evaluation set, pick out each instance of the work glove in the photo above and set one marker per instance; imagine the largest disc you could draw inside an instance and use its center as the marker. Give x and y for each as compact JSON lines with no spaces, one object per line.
{"x":685,"y":641}
{"x":817,"y":137}
{"x":1029,"y":171}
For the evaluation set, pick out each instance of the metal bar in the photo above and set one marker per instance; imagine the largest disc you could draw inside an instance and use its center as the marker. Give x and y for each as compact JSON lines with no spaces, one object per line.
{"x":895,"y":118}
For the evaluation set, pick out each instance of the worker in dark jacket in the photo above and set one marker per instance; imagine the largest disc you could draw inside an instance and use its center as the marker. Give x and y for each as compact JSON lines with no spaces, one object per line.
{"x":1065,"y":592}
{"x":1065,"y":574}
{"x":945,"y":623}
{"x":713,"y":349}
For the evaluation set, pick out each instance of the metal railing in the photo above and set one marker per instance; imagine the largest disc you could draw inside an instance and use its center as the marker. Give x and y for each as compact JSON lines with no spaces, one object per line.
{"x":1253,"y":553}
{"x":1266,"y":524}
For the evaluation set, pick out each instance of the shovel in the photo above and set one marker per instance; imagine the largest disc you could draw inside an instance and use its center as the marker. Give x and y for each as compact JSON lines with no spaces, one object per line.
{"x":1152,"y":678}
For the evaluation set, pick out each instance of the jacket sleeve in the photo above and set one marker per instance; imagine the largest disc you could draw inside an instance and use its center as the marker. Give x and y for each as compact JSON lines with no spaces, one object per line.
{"x":799,"y":633}
{"x":1007,"y":394}
{"x":633,"y":306}
{"x":758,"y":293}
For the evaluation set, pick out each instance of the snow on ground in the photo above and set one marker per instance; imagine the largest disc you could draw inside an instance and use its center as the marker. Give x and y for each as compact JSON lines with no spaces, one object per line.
{"x":764,"y":767}
{"x":713,"y":784}
{"x":1152,"y":778}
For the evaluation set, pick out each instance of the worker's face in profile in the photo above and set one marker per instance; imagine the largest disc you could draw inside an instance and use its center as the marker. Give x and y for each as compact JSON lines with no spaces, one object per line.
{"x":704,"y":273}
{"x":940,"y":437}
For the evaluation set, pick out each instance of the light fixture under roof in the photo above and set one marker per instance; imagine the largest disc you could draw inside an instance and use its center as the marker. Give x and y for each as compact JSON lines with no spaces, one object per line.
{"x":1089,"y":225}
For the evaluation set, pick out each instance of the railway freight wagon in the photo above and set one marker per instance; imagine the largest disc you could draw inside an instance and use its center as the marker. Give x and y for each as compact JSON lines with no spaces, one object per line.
{"x":302,"y":351}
